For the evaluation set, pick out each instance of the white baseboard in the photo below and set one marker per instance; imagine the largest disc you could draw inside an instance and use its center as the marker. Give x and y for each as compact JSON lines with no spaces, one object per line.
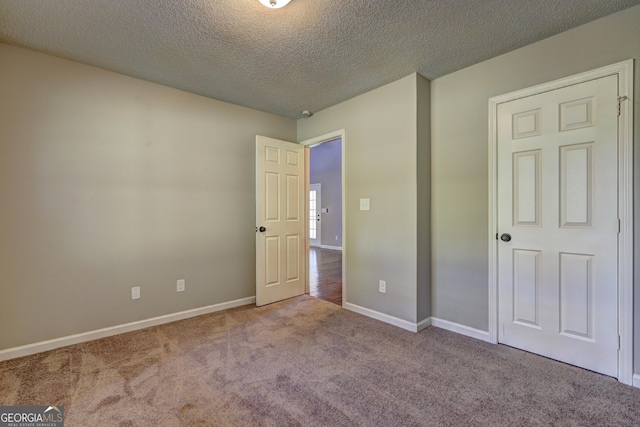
{"x":392,"y":320}
{"x":334,"y":248}
{"x":417,"y":327}
{"x":460,"y":329}
{"x":423,"y":324}
{"x":39,"y":347}
{"x":636,"y":380}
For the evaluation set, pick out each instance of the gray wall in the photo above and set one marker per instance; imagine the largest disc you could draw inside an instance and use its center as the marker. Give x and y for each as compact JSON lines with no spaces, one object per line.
{"x":381,"y":145}
{"x":423,"y":165}
{"x":325,"y":168}
{"x":459,"y":148}
{"x":108,"y":182}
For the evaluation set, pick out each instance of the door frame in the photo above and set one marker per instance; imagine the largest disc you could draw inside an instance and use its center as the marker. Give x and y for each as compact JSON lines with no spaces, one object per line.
{"x":308,"y":143}
{"x":318,"y":186}
{"x":624,"y":72}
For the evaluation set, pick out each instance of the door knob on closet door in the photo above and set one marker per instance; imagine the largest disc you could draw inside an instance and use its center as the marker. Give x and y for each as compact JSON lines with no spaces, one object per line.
{"x":506,"y":237}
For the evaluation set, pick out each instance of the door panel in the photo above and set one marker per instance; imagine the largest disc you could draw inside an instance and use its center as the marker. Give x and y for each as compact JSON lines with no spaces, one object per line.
{"x":526,"y":287}
{"x":293,"y":255}
{"x":557,"y":198}
{"x":576,"y":185}
{"x":576,"y":295}
{"x":526,"y":188}
{"x":280,"y":269}
{"x":294,"y":189}
{"x":272,"y":197}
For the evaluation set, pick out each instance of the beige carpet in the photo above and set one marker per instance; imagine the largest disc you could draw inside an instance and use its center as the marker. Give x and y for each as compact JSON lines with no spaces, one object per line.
{"x":308,"y":362}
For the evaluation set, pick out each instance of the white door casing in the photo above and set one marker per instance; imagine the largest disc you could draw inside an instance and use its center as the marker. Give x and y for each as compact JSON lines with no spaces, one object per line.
{"x":559,"y":281}
{"x":280,"y":220}
{"x":315,"y":217}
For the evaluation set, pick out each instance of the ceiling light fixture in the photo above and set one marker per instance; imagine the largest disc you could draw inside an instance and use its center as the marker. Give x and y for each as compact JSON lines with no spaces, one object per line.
{"x":274,"y":4}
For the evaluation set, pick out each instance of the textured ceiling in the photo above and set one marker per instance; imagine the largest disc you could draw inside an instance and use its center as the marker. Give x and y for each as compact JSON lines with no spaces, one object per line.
{"x":310,"y":54}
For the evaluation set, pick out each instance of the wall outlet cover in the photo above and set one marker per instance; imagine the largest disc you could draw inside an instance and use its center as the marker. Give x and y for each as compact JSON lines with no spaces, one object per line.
{"x":382,"y":286}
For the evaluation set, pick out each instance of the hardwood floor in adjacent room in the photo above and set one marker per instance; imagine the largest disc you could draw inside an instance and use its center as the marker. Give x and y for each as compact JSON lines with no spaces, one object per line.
{"x":325,"y":274}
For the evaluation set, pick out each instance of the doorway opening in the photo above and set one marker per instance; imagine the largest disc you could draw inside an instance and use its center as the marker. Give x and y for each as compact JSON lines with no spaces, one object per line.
{"x":325,"y":215}
{"x":325,"y":274}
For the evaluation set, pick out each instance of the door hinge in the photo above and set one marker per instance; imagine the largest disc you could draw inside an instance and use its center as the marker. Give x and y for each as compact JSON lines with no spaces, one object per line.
{"x":620,"y":99}
{"x":618,"y":342}
{"x":619,"y":226}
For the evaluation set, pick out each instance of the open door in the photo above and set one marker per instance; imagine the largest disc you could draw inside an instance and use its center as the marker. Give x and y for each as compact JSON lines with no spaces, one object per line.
{"x":280,"y":220}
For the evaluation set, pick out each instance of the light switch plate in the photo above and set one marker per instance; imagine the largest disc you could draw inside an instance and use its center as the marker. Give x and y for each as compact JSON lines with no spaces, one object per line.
{"x":365,"y":204}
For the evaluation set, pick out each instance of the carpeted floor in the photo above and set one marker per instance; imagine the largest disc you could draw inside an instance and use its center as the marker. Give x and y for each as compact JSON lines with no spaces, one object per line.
{"x":309,"y":362}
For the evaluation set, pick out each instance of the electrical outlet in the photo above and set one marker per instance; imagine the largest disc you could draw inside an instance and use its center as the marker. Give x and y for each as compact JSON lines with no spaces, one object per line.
{"x":135,"y":292}
{"x":180,"y":285}
{"x":365,"y":204}
{"x":336,"y":237}
{"x":382,"y":286}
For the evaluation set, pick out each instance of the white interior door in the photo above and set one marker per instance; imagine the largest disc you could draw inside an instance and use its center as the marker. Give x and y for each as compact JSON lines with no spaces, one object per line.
{"x":557,"y":201}
{"x":315,"y":210}
{"x":280,"y":220}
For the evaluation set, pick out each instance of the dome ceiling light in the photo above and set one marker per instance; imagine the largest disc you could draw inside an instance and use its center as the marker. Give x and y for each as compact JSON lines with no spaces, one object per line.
{"x":274,"y":4}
